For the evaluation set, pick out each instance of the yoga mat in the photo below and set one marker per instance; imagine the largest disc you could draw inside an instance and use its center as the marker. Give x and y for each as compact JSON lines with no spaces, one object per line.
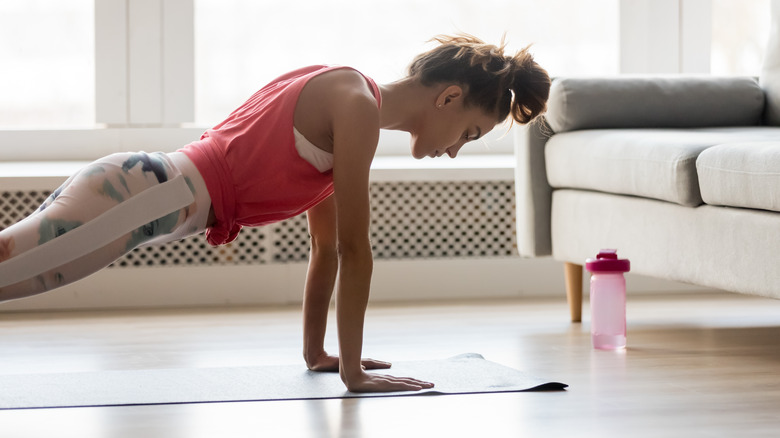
{"x":464,"y":374}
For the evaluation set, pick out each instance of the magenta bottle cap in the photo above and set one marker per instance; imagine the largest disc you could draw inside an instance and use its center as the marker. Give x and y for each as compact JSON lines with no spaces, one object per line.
{"x":607,"y":261}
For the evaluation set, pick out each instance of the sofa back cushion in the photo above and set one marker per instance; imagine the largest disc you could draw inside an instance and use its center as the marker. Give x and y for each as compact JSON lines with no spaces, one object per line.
{"x":653,"y":102}
{"x":770,"y":73}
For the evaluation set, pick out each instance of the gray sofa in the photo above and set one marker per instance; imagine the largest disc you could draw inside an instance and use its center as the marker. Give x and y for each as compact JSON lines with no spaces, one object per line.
{"x":680,"y":174}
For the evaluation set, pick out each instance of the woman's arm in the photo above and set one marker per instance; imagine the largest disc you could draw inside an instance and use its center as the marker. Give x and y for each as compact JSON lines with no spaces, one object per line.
{"x":355,"y":137}
{"x":320,"y":280}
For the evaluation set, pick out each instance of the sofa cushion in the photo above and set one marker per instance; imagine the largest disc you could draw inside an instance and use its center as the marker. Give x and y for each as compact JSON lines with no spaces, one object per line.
{"x":653,"y":102}
{"x":770,"y":71}
{"x":733,"y":249}
{"x":651,"y":163}
{"x":741,"y":175}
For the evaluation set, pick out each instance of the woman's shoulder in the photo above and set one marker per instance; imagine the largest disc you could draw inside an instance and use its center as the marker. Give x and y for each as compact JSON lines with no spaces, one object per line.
{"x":348,"y":80}
{"x":344,"y":87}
{"x":337,"y":99}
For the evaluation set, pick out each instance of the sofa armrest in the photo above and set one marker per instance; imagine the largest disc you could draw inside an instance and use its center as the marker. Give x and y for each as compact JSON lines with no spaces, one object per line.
{"x":654,"y":102}
{"x":533,"y":194}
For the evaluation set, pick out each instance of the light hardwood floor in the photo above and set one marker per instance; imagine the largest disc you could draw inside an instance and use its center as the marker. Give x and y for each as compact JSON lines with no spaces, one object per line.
{"x":698,"y":365}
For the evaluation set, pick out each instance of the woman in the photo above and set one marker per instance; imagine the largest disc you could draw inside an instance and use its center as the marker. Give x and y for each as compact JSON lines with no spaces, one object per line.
{"x":304,"y":142}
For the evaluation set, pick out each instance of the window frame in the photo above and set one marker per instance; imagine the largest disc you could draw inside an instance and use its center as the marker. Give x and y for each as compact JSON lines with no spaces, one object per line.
{"x":145,"y":78}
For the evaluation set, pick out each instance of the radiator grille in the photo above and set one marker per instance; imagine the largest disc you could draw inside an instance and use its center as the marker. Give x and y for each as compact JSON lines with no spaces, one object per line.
{"x":409,"y":220}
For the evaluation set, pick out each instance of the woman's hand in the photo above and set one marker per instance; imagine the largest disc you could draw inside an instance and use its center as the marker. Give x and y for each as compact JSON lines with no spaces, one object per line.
{"x":328,"y":363}
{"x":370,"y":382}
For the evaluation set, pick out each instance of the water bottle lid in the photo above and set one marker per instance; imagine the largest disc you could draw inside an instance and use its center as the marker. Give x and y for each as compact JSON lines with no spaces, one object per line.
{"x":607,"y":261}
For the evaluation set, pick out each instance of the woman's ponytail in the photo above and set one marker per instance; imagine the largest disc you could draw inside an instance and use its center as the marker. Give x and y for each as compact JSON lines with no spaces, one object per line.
{"x":530,"y":86}
{"x":507,"y":85}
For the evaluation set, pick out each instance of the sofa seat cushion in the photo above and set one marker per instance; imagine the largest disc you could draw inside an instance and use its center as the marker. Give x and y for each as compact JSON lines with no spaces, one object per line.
{"x":741,"y":175}
{"x":651,"y":163}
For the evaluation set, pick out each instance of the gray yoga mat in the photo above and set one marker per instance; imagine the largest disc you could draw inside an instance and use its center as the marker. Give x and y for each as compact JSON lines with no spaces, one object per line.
{"x":464,"y":374}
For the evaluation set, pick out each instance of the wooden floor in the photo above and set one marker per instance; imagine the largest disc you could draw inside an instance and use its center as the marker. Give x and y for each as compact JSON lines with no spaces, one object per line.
{"x":697,"y":366}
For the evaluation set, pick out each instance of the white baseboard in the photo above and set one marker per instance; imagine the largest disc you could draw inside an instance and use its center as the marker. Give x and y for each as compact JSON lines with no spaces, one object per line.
{"x":282,"y":283}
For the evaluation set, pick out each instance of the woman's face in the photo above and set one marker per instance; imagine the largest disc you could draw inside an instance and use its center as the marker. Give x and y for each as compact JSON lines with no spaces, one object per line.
{"x":448,"y":125}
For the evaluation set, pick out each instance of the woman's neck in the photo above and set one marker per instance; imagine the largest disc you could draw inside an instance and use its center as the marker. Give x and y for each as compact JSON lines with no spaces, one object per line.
{"x":402,"y":104}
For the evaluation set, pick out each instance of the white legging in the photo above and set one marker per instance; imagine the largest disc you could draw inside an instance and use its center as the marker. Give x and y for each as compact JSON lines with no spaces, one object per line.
{"x":104,"y":211}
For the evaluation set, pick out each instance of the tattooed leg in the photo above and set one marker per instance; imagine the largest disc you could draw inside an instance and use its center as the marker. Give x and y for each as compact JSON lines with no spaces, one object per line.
{"x":79,"y":268}
{"x":82,"y":223}
{"x":153,"y":163}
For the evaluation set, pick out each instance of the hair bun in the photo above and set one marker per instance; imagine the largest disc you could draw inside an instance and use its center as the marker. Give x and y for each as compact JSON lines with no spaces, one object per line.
{"x":530,"y":86}
{"x":509,"y":85}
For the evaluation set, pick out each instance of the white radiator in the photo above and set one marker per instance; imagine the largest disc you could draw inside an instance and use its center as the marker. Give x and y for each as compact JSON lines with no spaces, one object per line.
{"x":409,"y":220}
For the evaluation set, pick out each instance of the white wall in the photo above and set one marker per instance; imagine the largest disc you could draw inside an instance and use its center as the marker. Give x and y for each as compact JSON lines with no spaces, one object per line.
{"x":413,"y":280}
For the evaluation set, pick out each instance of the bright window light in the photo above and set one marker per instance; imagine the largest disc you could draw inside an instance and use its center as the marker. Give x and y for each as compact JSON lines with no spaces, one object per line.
{"x":740,"y":32}
{"x":47,"y":77}
{"x":243,"y":44}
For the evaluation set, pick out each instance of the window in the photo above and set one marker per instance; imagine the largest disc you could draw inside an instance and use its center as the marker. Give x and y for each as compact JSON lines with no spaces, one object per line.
{"x":740,"y":32}
{"x":47,"y":79}
{"x":242,"y":44}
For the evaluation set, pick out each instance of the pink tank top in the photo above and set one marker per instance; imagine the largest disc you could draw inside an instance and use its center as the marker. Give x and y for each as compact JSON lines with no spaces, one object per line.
{"x":249,"y":162}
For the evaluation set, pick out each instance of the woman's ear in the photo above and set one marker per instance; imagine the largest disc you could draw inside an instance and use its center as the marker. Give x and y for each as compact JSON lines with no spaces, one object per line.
{"x":451,"y":94}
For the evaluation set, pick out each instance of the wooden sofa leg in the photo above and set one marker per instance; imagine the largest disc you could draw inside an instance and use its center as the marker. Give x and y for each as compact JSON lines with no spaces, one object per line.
{"x":573,"y":274}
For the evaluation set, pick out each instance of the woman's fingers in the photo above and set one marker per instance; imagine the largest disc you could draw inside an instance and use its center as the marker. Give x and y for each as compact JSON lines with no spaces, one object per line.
{"x":372,"y":364}
{"x":412,"y":382}
{"x":383,"y":383}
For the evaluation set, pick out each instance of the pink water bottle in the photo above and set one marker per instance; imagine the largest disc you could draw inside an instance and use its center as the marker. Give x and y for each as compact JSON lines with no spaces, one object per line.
{"x":608,"y":300}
